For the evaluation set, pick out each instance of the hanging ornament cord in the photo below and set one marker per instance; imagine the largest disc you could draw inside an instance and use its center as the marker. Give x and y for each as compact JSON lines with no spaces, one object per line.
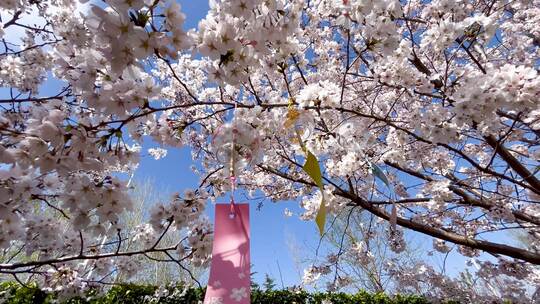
{"x":232,"y":177}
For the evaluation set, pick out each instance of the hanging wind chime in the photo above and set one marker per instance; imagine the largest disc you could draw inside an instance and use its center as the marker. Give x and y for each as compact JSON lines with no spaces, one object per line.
{"x":229,"y":280}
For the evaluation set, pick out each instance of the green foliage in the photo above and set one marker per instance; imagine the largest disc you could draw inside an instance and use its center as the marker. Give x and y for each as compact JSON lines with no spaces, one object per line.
{"x":362,"y":297}
{"x":253,"y":284}
{"x":269,"y":283}
{"x":134,"y":294}
{"x":22,"y":295}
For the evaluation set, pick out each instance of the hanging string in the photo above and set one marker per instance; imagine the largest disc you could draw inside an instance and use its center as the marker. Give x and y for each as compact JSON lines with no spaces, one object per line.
{"x":232,"y":177}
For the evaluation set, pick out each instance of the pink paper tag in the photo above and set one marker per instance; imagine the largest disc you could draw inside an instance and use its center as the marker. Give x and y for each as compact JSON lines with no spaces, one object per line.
{"x":229,"y":281}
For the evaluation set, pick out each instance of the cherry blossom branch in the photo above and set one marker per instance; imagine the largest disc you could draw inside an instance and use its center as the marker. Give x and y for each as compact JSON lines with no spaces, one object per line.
{"x":82,"y":257}
{"x":297,"y":65}
{"x":437,"y":232}
{"x":534,"y":187}
{"x":58,"y":96}
{"x":14,"y":19}
{"x":447,"y":235}
{"x":460,"y":41}
{"x":167,"y":62}
{"x":31,"y":48}
{"x":467,"y":198}
{"x":513,"y":162}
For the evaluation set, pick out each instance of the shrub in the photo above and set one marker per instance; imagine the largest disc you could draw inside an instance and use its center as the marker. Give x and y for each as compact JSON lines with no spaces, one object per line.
{"x":12,"y":293}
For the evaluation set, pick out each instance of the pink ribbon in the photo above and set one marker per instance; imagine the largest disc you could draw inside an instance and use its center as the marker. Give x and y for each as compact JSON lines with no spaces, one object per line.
{"x":229,"y":281}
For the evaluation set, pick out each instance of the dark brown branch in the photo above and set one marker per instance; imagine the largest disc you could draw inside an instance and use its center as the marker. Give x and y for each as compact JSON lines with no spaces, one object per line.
{"x":176,"y":77}
{"x":467,"y":198}
{"x":80,"y":257}
{"x":474,"y":59}
{"x":439,"y":233}
{"x":13,"y":20}
{"x":513,"y":162}
{"x":299,"y":69}
{"x":449,"y":236}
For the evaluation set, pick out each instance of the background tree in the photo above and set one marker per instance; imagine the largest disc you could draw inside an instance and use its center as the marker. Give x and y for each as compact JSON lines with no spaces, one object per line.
{"x":357,"y":244}
{"x":151,"y":269}
{"x":269,"y":283}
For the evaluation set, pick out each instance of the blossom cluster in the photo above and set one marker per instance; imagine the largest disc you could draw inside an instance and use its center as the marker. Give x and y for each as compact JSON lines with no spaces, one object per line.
{"x":242,"y":36}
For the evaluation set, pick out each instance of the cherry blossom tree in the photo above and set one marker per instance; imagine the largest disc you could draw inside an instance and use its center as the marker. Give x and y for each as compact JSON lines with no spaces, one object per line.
{"x":424,"y":114}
